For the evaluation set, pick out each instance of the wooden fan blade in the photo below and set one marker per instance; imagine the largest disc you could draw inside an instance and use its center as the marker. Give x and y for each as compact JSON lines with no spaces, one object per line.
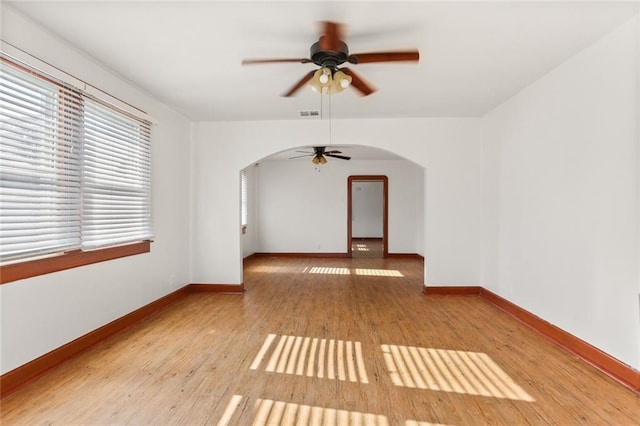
{"x":300,"y":83}
{"x":358,"y":83}
{"x":300,"y":156}
{"x":398,"y":56}
{"x":342,"y":157}
{"x":274,"y":60}
{"x":330,"y":40}
{"x":335,"y":151}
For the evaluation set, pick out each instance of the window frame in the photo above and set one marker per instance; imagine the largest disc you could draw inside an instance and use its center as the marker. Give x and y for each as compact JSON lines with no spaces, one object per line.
{"x":73,"y":259}
{"x":63,"y":260}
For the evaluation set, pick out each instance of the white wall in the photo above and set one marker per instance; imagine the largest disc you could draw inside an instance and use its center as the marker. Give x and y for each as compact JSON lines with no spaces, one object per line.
{"x":448,"y":148}
{"x":303,"y":208}
{"x":561,"y":211}
{"x":367,"y":208}
{"x":45,"y":312}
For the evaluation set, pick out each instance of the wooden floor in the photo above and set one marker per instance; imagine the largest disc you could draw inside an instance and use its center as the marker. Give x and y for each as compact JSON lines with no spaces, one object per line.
{"x":367,"y":247}
{"x":323,"y":341}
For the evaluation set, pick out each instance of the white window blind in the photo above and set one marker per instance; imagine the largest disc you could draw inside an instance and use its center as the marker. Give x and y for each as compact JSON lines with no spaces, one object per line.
{"x":74,"y":172}
{"x":243,"y":197}
{"x":39,"y":165}
{"x":116,"y":205}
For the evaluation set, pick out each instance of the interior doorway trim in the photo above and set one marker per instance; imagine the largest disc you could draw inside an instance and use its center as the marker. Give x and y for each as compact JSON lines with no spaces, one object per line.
{"x":385,"y":209}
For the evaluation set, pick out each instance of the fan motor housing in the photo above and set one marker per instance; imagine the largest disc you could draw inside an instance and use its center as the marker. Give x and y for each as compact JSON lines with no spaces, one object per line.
{"x":329,"y":58}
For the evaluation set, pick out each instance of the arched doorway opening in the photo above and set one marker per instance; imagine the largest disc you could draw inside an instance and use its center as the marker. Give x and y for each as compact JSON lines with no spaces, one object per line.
{"x":298,"y":208}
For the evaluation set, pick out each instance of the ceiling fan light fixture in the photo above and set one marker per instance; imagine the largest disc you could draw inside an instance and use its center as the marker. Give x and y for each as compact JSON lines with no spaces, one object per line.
{"x":321,"y":79}
{"x":325,"y":77}
{"x":341,"y":81}
{"x":323,"y":160}
{"x":316,"y":160}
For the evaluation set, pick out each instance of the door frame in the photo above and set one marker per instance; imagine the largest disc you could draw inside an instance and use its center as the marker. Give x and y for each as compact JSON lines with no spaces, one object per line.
{"x":385,"y":209}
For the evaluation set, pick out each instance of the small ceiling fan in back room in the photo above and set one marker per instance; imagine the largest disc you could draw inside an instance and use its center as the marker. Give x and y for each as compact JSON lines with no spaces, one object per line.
{"x":329,"y":53}
{"x":320,"y":153}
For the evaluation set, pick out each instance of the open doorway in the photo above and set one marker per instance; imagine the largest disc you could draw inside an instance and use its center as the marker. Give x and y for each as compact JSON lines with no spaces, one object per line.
{"x":367,"y":216}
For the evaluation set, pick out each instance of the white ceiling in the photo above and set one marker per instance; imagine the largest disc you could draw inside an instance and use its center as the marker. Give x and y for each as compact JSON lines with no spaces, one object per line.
{"x":474,"y":55}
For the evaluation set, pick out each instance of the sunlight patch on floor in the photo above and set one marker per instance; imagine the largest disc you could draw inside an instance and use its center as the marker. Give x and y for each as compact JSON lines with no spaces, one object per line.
{"x":379,"y":272}
{"x":329,"y":270}
{"x":230,"y":410}
{"x":269,"y":412}
{"x":445,"y":370}
{"x":263,"y":350}
{"x":273,"y":269}
{"x":313,"y":357}
{"x":360,"y":247}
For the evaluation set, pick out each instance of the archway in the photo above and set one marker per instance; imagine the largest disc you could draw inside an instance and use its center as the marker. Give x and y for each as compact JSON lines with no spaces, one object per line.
{"x":301,"y":213}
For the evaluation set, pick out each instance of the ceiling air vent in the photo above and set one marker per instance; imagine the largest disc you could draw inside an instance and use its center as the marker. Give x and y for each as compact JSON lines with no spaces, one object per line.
{"x":310,"y":113}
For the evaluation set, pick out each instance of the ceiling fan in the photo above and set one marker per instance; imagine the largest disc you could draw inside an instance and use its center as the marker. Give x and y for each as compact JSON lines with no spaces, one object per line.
{"x":320,"y":153}
{"x":329,"y":53}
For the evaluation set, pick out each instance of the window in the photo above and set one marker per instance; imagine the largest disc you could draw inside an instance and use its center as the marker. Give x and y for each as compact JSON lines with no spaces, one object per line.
{"x":116,"y":178}
{"x":39,"y":166}
{"x":243,"y":200}
{"x":74,"y":170}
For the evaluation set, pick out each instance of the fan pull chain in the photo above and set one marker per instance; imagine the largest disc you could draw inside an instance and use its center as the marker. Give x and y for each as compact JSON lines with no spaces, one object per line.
{"x":330,"y":143}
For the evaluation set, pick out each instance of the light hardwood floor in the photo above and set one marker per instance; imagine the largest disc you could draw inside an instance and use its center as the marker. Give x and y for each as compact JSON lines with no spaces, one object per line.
{"x":326,"y":341}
